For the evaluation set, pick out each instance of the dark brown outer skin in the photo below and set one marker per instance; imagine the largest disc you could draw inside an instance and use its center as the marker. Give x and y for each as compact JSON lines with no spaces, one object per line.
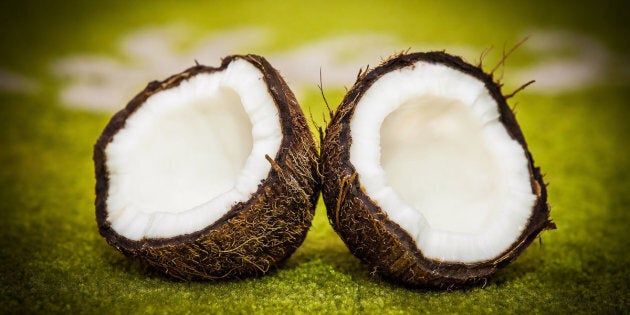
{"x":253,"y":236}
{"x":366,"y":229}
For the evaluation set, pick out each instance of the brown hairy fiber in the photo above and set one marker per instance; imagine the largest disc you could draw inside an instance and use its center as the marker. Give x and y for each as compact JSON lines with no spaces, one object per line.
{"x":253,"y":236}
{"x":365,"y":228}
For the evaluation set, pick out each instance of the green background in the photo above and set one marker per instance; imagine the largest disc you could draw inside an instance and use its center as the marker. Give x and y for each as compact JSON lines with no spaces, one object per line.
{"x":52,"y":258}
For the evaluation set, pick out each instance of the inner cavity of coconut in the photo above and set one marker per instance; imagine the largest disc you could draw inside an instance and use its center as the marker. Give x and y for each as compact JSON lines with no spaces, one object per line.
{"x":191,"y":152}
{"x":430,"y":150}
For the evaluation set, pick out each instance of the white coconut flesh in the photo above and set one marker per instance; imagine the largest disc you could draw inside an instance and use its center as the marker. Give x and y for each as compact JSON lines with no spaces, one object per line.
{"x":429,"y":149}
{"x":191,"y":152}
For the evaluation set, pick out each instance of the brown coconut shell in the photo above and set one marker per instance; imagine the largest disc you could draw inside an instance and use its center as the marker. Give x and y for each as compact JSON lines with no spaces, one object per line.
{"x":253,"y":236}
{"x":366,"y":229}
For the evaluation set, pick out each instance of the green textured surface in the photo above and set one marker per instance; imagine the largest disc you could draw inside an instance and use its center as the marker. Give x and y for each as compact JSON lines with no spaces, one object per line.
{"x":52,"y":258}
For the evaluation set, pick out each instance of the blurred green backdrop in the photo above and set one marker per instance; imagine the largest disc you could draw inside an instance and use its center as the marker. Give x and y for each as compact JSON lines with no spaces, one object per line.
{"x":66,"y":66}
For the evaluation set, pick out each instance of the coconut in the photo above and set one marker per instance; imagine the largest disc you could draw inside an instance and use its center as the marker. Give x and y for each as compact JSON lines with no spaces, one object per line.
{"x":209,"y":174}
{"x":427,"y":177}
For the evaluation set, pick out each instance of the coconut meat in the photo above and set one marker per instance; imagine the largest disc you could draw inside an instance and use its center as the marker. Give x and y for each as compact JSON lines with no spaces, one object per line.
{"x":430,"y":151}
{"x":191,"y":152}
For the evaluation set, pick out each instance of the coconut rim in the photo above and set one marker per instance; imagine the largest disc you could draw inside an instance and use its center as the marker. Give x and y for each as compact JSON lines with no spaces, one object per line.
{"x":280,"y":94}
{"x":538,"y":219}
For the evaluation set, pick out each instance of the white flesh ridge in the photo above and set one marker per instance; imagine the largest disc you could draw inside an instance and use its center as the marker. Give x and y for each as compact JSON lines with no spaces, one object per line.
{"x":430,"y":151}
{"x":190,"y":153}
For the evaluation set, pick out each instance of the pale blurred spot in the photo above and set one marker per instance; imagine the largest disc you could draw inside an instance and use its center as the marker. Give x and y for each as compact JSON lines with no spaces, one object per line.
{"x":107,"y":83}
{"x":16,"y":83}
{"x":567,"y":61}
{"x":340,"y":58}
{"x":563,"y":61}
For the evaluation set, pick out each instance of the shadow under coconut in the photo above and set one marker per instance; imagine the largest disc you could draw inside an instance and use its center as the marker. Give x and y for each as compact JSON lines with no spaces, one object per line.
{"x":529,"y":262}
{"x":116,"y":264}
{"x":326,"y":261}
{"x":341,"y":260}
{"x":134,"y":269}
{"x":338,"y":263}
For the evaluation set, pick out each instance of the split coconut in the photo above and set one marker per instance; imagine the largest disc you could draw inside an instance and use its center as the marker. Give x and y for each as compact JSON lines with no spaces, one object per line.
{"x":209,"y":174}
{"x":427,"y":177}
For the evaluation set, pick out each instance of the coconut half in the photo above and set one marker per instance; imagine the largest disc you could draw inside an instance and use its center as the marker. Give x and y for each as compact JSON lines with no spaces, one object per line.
{"x":211,"y":173}
{"x":427,"y":175}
